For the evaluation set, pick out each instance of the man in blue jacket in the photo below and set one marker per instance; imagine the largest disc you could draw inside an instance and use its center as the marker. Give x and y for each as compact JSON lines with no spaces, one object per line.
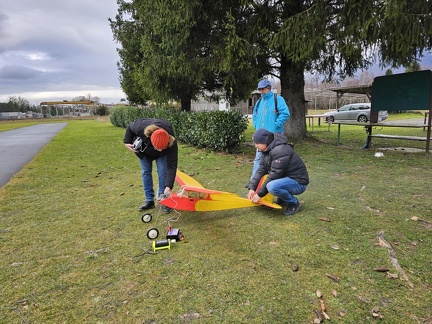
{"x":270,"y":112}
{"x":287,"y":173}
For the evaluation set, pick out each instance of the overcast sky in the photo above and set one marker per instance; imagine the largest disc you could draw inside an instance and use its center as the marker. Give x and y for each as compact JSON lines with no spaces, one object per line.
{"x":57,"y":50}
{"x":61,"y":49}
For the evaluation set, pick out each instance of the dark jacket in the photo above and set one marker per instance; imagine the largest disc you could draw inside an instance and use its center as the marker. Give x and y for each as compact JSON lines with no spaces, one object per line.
{"x":136,"y":129}
{"x":279,"y":160}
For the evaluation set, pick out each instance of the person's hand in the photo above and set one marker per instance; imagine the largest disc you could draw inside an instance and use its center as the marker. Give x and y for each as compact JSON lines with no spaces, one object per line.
{"x":250,"y":194}
{"x":167,"y":191}
{"x":130,"y":147}
{"x":256,"y":198}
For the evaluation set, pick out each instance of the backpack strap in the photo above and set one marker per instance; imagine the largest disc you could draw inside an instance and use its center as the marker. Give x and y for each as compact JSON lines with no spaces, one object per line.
{"x":257,"y":105}
{"x":276,"y":108}
{"x":275,"y":102}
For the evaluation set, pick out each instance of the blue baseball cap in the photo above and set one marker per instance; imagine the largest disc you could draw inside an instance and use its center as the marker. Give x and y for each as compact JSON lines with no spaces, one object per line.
{"x":264,"y":84}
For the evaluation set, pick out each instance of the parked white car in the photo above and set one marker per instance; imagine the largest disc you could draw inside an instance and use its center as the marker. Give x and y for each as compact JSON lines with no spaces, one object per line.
{"x":357,"y":111}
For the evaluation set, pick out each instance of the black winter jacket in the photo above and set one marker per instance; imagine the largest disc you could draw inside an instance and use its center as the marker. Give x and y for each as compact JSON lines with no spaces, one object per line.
{"x":136,"y":129}
{"x":279,"y":160}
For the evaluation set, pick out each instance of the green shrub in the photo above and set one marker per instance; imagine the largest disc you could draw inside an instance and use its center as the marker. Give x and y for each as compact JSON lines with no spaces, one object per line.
{"x":216,"y":130}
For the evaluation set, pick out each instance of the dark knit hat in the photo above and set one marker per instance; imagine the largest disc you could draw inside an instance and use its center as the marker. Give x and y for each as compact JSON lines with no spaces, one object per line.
{"x":159,"y":139}
{"x":261,"y":136}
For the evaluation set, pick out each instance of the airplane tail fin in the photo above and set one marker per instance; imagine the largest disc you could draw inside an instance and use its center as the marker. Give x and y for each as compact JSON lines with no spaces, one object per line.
{"x":267,"y":200}
{"x":183,"y":179}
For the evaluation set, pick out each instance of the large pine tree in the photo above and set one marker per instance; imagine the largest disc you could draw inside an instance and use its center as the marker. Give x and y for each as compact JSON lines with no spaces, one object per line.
{"x":176,"y":49}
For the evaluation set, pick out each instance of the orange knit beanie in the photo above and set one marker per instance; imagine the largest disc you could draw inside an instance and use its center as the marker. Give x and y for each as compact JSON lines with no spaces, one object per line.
{"x":159,"y":139}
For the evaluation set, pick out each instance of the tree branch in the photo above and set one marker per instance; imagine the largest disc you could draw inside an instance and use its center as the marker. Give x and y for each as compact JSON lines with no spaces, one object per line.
{"x":393,"y":258}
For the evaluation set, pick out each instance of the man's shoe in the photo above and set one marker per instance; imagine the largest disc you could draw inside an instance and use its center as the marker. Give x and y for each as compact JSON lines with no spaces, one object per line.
{"x":291,"y":209}
{"x":280,"y":202}
{"x":166,"y":210}
{"x":147,"y":205}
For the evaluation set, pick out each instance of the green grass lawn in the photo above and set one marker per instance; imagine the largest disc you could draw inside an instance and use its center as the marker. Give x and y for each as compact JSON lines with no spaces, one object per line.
{"x":73,"y":244}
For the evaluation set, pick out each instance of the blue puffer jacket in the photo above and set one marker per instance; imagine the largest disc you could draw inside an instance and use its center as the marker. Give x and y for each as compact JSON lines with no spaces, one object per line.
{"x":265,"y":115}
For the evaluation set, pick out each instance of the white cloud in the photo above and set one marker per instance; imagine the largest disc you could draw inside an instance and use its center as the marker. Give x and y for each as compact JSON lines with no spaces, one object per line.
{"x":58,"y":48}
{"x":106,"y":95}
{"x":55,"y":50}
{"x":39,"y":56}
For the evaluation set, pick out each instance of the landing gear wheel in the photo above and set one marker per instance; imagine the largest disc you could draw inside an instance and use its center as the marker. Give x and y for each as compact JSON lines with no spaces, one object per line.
{"x":146,"y":218}
{"x":152,"y":233}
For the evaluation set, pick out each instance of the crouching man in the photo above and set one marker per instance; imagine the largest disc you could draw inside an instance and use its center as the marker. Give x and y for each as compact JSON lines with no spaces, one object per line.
{"x":287,"y":173}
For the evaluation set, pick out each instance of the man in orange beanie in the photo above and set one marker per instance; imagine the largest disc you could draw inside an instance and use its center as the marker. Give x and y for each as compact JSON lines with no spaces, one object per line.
{"x":153,"y":140}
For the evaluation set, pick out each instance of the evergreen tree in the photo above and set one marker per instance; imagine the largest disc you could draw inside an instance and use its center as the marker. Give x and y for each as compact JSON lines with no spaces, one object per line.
{"x":177,"y":49}
{"x":334,"y":39}
{"x":413,"y":66}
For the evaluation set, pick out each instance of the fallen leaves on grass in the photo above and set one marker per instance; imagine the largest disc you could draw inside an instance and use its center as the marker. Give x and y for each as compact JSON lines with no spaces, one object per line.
{"x":332,"y":277}
{"x":375,"y":313}
{"x":326,"y":316}
{"x":381,"y":269}
{"x":321,"y":315}
{"x":95,"y":252}
{"x":191,"y":316}
{"x":319,"y":318}
{"x":392,"y":275}
{"x":373,"y":210}
{"x":323,"y":306}
{"x":342,"y":312}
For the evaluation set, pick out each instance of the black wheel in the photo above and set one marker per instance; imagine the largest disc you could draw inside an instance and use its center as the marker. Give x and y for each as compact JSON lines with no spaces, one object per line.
{"x":362,"y":119}
{"x":146,"y":218}
{"x":152,"y":233}
{"x":330,"y":119}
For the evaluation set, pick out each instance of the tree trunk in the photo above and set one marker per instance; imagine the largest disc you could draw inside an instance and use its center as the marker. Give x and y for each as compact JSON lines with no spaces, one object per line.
{"x":186,"y":103}
{"x":292,"y":85}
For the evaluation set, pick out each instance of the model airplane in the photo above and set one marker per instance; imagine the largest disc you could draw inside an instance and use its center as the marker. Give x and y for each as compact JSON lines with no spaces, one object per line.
{"x":194,"y":197}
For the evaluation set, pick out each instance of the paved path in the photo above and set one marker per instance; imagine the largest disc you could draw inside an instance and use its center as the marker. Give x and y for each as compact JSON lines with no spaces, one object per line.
{"x":20,"y":145}
{"x":413,"y":121}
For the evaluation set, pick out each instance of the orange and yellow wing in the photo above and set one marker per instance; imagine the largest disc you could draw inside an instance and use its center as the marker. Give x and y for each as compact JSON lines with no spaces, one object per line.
{"x":197,"y":198}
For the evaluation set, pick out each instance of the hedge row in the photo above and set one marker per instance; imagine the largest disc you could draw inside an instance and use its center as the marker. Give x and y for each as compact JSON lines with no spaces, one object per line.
{"x":216,"y":130}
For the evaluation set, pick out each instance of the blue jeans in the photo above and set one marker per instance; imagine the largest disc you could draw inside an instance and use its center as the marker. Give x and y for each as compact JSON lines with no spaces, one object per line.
{"x":256,"y":162}
{"x":147,"y":179}
{"x":285,"y":188}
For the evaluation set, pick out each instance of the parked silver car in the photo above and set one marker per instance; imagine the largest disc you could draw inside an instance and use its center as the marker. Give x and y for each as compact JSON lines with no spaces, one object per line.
{"x":357,"y":111}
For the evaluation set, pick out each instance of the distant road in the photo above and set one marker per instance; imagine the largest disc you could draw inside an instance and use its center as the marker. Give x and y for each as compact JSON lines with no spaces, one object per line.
{"x":20,"y":145}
